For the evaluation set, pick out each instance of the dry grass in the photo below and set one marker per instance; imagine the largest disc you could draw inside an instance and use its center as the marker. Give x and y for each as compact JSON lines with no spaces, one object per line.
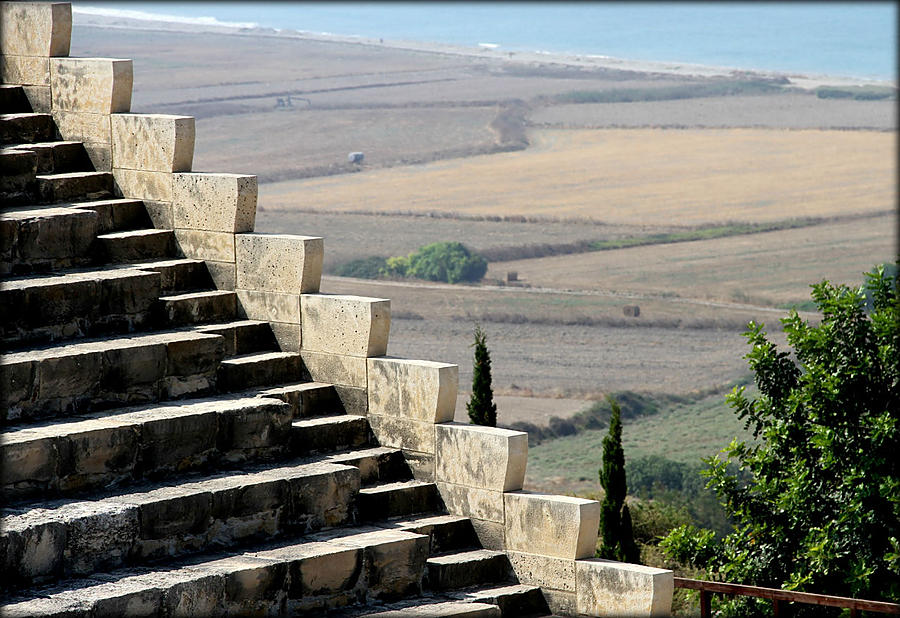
{"x":635,"y":176}
{"x":771,"y":268}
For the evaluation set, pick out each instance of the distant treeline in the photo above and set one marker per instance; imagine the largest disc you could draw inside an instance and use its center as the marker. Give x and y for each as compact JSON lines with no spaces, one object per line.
{"x":668,"y":93}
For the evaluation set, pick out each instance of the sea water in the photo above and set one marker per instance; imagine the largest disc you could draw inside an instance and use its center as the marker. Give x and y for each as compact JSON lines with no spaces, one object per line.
{"x":840,"y":39}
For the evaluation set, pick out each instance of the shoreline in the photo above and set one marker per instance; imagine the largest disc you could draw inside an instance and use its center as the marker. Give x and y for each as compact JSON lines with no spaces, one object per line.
{"x":484,"y":52}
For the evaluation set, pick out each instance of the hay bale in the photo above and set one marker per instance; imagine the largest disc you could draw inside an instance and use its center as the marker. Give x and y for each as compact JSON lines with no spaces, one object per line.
{"x":631,"y":311}
{"x":512,"y":275}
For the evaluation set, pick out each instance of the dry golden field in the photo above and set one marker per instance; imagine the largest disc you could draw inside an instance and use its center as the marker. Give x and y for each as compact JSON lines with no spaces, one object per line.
{"x":771,"y":268}
{"x":649,"y":176}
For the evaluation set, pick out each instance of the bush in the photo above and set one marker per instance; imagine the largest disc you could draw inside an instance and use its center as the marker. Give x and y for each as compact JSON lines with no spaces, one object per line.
{"x":363,"y":268}
{"x":451,"y":262}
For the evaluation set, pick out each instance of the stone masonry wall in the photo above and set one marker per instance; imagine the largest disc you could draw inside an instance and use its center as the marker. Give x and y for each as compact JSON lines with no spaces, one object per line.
{"x":343,"y":340}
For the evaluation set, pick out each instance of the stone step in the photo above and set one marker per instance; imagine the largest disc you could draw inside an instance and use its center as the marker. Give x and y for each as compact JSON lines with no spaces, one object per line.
{"x":514,"y":600}
{"x":39,"y":239}
{"x":104,"y":449}
{"x":243,"y":336}
{"x":13,"y":100}
{"x":116,"y":215}
{"x":70,"y":538}
{"x":377,"y":464}
{"x":466,"y":568}
{"x":86,"y":303}
{"x":307,"y":398}
{"x":18,"y":176}
{"x":197,"y":307}
{"x":258,"y":369}
{"x":447,"y":532}
{"x":177,"y":274}
{"x":328,"y":433}
{"x":136,"y":245}
{"x":95,"y":374}
{"x":397,"y":499}
{"x":58,"y":187}
{"x":20,"y":127}
{"x":58,"y":156}
{"x":426,"y":608}
{"x":306,"y":576}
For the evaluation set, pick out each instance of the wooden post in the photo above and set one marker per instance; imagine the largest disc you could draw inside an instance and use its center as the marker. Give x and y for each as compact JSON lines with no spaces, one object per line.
{"x":704,"y":604}
{"x":776,"y":608}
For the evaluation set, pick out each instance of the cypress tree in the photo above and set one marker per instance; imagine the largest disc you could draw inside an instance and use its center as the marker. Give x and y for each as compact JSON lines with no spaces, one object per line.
{"x":615,"y":518}
{"x":481,"y":407}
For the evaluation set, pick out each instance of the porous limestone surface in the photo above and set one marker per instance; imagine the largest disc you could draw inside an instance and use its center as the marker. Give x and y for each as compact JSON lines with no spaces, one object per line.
{"x":415,"y":389}
{"x":608,"y":588}
{"x":35,"y":28}
{"x":279,"y":262}
{"x":550,"y":525}
{"x":91,"y":85}
{"x":152,"y":142}
{"x":482,"y":457}
{"x":214,"y":202}
{"x":347,"y":325}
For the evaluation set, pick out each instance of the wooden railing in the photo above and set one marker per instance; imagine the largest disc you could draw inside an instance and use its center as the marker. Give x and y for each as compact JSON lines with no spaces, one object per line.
{"x":778,"y":597}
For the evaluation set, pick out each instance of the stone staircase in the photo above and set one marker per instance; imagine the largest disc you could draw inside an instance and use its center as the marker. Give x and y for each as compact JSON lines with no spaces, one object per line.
{"x":188,"y":426}
{"x":163,"y":456}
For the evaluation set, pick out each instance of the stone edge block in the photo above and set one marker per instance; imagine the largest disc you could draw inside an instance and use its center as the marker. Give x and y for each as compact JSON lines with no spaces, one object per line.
{"x":214,"y":202}
{"x":551,"y":525}
{"x":471,"y":502}
{"x":416,"y":389}
{"x":279,"y":262}
{"x":91,"y":85}
{"x":155,"y":186}
{"x":269,"y":307}
{"x":152,"y":142}
{"x":47,"y":26}
{"x":200,"y":245}
{"x":483,"y":457}
{"x":347,"y":325}
{"x":609,"y":588}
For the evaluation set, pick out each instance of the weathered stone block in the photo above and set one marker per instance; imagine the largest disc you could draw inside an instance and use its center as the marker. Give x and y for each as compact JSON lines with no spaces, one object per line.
{"x":98,"y":456}
{"x":279,"y":262}
{"x":543,"y":571}
{"x":35,"y":28}
{"x":200,"y":354}
{"x":70,"y":376}
{"x":421,"y":390}
{"x":39,"y":98}
{"x":138,"y":184}
{"x":100,"y":536}
{"x":483,"y":457}
{"x":403,"y":433}
{"x":222,"y":274}
{"x":394,"y":559}
{"x":608,"y":588}
{"x":34,"y":550}
{"x":489,"y":533}
{"x":100,"y":155}
{"x":472,"y":502}
{"x":321,"y":498}
{"x":560,"y":602}
{"x":82,"y":127}
{"x":29,"y":460}
{"x":214,"y":202}
{"x":160,"y":214}
{"x":152,"y":142}
{"x":287,"y":336}
{"x":550,"y":525}
{"x":353,"y":399}
{"x":93,"y":85}
{"x":30,"y":70}
{"x":200,"y":245}
{"x":269,"y":306}
{"x":334,"y":368}
{"x":349,"y":325}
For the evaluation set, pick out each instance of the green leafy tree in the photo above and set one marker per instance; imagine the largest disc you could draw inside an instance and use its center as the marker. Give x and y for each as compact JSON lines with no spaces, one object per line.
{"x":615,"y":518}
{"x":481,"y":407}
{"x":821,"y":509}
{"x":446,"y":261}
